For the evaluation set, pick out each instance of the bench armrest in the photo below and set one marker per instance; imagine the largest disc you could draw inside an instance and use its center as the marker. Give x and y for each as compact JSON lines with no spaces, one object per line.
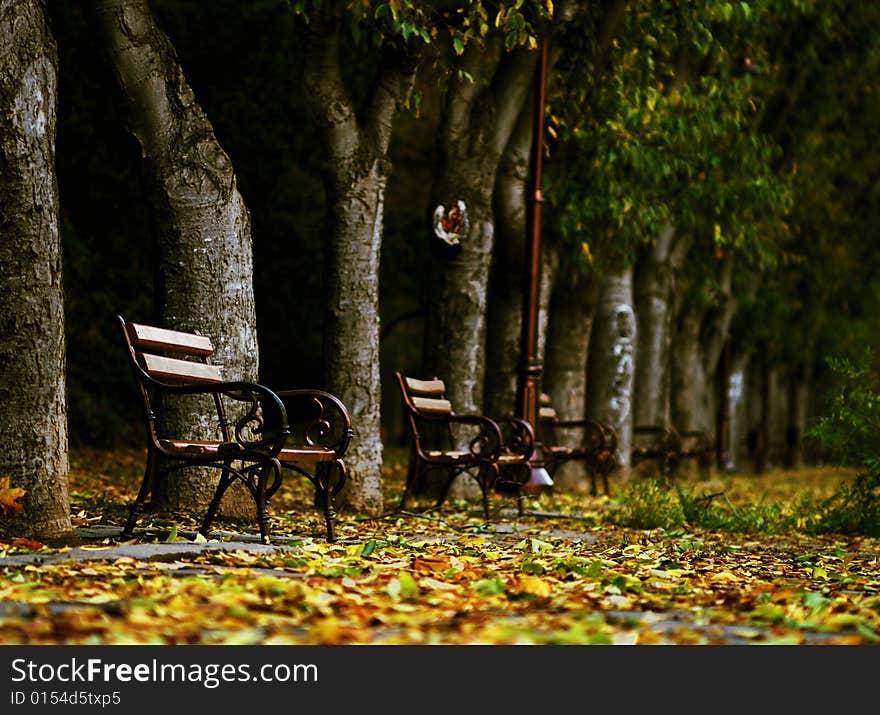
{"x":518,"y":436}
{"x":262,"y":428}
{"x":485,"y":445}
{"x":317,"y":418}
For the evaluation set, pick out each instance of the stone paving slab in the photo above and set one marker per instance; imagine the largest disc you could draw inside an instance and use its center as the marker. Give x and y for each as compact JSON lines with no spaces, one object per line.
{"x":160,"y":551}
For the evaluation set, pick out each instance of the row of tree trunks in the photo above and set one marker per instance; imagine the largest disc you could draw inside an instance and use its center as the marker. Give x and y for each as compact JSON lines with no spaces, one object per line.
{"x":33,"y":418}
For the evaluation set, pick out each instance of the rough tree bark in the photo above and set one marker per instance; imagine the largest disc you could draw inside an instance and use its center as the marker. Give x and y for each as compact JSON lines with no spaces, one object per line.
{"x":203,"y":227}
{"x":33,"y":408}
{"x":505,"y":305}
{"x":737,"y":439}
{"x":572,"y":307}
{"x":697,"y":346}
{"x":611,"y":364}
{"x":478,"y":119}
{"x":355,"y":183}
{"x":506,"y":283}
{"x":654,"y":295}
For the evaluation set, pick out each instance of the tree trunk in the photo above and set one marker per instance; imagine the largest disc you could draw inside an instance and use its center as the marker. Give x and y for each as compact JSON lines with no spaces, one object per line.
{"x":355,"y":182}
{"x":351,"y":335}
{"x":777,"y":398}
{"x":572,"y":306}
{"x":479,"y":117}
{"x":203,"y":227}
{"x":690,"y":383}
{"x":756,"y":381}
{"x":654,"y":291}
{"x":33,"y":417}
{"x":737,"y":426}
{"x":611,"y":364}
{"x":796,"y":420}
{"x":697,"y":347}
{"x":504,"y":323}
{"x":507,"y":278}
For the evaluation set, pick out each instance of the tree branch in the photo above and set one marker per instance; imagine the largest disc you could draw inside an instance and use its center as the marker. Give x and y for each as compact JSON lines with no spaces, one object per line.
{"x":326,"y":95}
{"x":392,"y":87}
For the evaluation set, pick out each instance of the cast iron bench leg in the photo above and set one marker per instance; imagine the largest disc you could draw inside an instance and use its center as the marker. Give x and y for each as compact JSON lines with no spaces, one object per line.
{"x":226,"y":479}
{"x":143,"y":493}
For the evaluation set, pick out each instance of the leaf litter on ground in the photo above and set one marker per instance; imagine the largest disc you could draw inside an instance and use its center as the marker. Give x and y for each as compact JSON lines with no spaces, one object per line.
{"x":560,"y":574}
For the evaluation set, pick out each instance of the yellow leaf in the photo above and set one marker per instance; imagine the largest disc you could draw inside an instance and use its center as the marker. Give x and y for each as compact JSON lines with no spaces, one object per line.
{"x":585,"y":250}
{"x":403,"y":588}
{"x":9,"y":497}
{"x":724,"y":576}
{"x":535,"y":586}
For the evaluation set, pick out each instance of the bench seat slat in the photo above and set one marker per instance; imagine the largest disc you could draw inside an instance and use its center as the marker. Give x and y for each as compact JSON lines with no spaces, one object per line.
{"x":208,"y":447}
{"x":172,"y":369}
{"x":153,"y":338}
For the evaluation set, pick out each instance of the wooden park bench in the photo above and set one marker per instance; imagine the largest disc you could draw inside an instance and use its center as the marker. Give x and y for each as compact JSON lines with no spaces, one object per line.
{"x":494,"y":452}
{"x":305,"y":431}
{"x":668,"y":448}
{"x":587,"y":441}
{"x":696,"y":446}
{"x":658,"y":444}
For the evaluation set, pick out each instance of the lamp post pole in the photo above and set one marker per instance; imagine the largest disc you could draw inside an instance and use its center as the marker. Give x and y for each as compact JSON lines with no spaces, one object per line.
{"x":529,"y":385}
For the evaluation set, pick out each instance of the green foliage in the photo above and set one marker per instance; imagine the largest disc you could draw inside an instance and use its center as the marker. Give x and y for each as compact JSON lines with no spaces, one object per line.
{"x":850,"y":427}
{"x":650,"y":504}
{"x":665,"y":130}
{"x":653,"y":504}
{"x":853,"y":509}
{"x":850,"y":432}
{"x":459,"y":23}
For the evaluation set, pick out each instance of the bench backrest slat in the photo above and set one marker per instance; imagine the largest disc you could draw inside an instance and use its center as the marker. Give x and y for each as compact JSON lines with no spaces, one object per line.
{"x":425,"y":388}
{"x":174,"y":370}
{"x":152,"y":338}
{"x":426,"y":404}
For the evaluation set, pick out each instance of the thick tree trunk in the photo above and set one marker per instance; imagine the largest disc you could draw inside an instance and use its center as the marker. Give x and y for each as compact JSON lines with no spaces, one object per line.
{"x":355,"y":180}
{"x":549,"y":269}
{"x":697,"y":348}
{"x":572,"y":306}
{"x":203,"y":226}
{"x":351,"y":335}
{"x":800,"y":390}
{"x":611,"y":364}
{"x":690,"y":382}
{"x":756,"y":380}
{"x":504,"y":323}
{"x":777,"y":408}
{"x":33,"y":408}
{"x":479,"y":118}
{"x":737,"y":426}
{"x":654,"y":291}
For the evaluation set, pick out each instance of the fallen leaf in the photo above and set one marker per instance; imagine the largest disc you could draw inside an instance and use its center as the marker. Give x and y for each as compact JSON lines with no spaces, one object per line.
{"x":9,"y":497}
